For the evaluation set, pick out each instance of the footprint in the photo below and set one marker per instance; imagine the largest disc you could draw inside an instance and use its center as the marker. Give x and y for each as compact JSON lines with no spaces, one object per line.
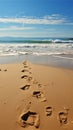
{"x":48,"y":111}
{"x":24,"y":76}
{"x":24,"y":70}
{"x":25,"y":66}
{"x":63,"y":117}
{"x":40,"y":95}
{"x":25,"y":87}
{"x":25,"y":62}
{"x":37,"y":94}
{"x":5,"y":70}
{"x":29,"y":118}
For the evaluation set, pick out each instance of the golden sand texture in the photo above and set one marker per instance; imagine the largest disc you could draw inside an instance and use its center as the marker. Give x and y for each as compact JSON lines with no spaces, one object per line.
{"x":35,"y":97}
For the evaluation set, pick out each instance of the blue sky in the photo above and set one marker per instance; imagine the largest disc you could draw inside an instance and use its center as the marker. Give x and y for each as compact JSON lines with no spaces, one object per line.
{"x":36,"y":18}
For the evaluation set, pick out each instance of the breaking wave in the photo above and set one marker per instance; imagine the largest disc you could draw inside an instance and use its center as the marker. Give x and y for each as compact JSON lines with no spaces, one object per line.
{"x":53,"y":48}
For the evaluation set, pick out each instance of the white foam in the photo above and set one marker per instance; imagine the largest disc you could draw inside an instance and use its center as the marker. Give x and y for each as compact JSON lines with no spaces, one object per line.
{"x":36,"y":49}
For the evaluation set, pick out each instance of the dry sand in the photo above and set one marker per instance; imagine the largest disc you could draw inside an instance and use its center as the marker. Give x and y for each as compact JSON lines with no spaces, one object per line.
{"x":35,"y":97}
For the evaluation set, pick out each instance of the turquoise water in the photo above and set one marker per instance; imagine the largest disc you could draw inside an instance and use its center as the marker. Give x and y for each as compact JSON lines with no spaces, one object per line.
{"x":35,"y":40}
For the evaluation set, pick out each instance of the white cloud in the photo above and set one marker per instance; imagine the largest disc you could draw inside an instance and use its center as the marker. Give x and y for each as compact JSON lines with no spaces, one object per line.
{"x":32,"y":31}
{"x":16,"y":28}
{"x":50,"y":19}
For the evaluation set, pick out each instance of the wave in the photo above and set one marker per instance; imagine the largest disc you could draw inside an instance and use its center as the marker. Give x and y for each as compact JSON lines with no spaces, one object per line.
{"x":36,"y":40}
{"x":8,"y":49}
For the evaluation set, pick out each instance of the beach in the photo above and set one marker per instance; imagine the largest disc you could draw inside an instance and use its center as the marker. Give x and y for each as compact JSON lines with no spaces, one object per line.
{"x":36,"y":65}
{"x":34,"y":96}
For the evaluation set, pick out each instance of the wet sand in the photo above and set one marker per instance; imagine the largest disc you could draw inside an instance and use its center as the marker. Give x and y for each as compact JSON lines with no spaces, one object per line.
{"x":35,"y":97}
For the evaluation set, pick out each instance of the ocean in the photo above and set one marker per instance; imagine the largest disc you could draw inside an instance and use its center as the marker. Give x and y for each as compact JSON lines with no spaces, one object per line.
{"x":37,"y":50}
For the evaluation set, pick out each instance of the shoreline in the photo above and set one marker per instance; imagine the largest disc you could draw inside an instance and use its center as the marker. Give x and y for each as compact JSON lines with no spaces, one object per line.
{"x":61,"y":61}
{"x":43,"y":91}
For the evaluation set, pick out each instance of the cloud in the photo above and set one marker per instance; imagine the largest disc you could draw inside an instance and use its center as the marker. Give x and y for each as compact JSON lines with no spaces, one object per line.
{"x":16,"y":28}
{"x":50,"y":19}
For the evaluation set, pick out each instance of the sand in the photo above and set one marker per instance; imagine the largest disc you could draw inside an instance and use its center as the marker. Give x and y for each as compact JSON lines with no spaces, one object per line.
{"x":35,"y":97}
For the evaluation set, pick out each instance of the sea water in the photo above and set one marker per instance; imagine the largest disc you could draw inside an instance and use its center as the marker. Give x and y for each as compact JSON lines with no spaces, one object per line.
{"x":37,"y":50}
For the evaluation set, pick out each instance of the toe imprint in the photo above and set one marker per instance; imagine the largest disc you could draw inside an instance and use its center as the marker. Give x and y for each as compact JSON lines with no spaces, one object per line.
{"x":48,"y":111}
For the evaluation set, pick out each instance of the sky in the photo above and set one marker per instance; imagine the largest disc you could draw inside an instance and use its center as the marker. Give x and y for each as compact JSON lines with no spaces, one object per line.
{"x":36,"y":18}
